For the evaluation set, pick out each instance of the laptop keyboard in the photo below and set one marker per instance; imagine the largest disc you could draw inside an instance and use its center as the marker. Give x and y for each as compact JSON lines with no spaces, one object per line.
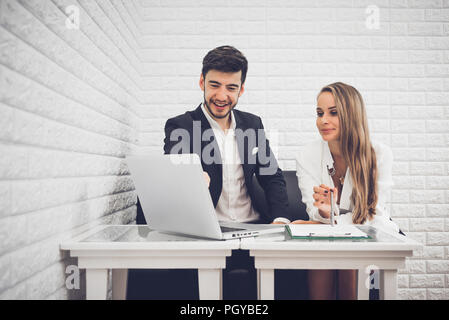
{"x":226,"y":229}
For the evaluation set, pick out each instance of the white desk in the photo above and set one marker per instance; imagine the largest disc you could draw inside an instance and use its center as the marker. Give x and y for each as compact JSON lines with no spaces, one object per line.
{"x":278,"y":251}
{"x":131,"y":246}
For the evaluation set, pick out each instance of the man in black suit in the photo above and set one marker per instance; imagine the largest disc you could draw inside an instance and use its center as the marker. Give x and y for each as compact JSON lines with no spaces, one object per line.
{"x":232,"y":147}
{"x":222,"y":136}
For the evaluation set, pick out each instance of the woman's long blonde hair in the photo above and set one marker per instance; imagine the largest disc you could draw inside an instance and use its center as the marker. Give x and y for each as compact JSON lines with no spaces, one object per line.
{"x":356,"y":148}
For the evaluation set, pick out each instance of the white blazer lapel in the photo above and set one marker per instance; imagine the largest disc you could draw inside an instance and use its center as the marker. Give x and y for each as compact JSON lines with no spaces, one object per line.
{"x":326,"y":161}
{"x":345,"y":199}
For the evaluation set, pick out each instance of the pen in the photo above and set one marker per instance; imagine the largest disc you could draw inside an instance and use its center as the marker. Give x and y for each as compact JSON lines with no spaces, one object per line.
{"x":332,"y":207}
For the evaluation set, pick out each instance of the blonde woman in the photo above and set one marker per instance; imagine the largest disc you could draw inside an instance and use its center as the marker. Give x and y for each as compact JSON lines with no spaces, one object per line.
{"x":358,"y":172}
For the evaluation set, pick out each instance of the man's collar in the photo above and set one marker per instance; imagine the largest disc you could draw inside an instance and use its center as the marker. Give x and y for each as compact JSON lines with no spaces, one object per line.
{"x":213,"y":123}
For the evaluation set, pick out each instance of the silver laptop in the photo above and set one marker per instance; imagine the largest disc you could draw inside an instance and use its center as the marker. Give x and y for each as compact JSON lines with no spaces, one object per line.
{"x":175,"y":198}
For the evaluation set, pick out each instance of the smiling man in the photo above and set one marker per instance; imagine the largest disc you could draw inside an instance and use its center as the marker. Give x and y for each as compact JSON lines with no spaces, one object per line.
{"x":231,"y":143}
{"x":233,"y":148}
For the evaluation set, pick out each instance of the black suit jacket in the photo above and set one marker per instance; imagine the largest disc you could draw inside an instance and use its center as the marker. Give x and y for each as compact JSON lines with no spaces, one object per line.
{"x":184,"y":134}
{"x":194,"y":122}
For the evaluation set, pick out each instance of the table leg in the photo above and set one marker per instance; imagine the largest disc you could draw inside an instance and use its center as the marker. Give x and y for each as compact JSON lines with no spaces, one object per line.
{"x":388,"y":284}
{"x":265,"y":284}
{"x":363,"y":285}
{"x":96,"y":284}
{"x":210,"y":284}
{"x":119,"y":283}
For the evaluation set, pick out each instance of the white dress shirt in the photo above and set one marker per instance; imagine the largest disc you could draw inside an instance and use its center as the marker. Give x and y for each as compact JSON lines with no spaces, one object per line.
{"x":234,"y":203}
{"x":312,"y":162}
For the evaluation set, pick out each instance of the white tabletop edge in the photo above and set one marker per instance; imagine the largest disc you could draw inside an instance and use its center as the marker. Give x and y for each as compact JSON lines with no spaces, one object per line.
{"x":76,"y":243}
{"x":160,"y":245}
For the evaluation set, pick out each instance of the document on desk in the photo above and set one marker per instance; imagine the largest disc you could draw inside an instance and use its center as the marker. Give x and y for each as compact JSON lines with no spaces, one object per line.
{"x":325,"y":231}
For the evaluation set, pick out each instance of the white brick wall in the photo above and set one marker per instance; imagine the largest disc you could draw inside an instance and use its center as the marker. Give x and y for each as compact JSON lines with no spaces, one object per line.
{"x":74,"y":102}
{"x":296,"y":47}
{"x":68,"y":103}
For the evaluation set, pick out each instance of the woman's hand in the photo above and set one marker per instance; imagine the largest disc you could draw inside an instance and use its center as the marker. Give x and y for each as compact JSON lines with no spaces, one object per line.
{"x":305,"y":222}
{"x":322,"y":198}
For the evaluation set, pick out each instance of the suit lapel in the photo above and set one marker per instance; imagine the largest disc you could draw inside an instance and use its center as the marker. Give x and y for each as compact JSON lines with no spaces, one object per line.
{"x":210,"y":139}
{"x":209,"y":148}
{"x":326,"y":178}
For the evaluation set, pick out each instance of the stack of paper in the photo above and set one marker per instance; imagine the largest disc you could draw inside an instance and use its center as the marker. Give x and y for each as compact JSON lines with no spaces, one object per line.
{"x":301,"y":231}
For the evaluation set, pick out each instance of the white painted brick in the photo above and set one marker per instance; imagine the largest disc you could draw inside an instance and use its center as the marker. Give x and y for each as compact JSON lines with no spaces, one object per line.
{"x":5,"y":196}
{"x":18,"y":292}
{"x":412,"y":294}
{"x":428,"y":169}
{"x":32,"y":97}
{"x":403,"y":281}
{"x":74,"y":103}
{"x":437,"y":15}
{"x":400,"y":196}
{"x":426,"y":281}
{"x":425,"y":29}
{"x":400,"y":168}
{"x":399,"y":140}
{"x":408,"y":210}
{"x":437,"y":210}
{"x":50,"y":44}
{"x":424,"y":112}
{"x":6,"y":122}
{"x":437,"y":43}
{"x":438,"y":294}
{"x":411,"y":126}
{"x":441,"y":266}
{"x":437,"y":125}
{"x":426,"y":196}
{"x":425,"y":3}
{"x":437,"y":70}
{"x":414,"y":267}
{"x":440,"y":154}
{"x":433,"y":253}
{"x":438,"y":239}
{"x":12,"y":232}
{"x":408,"y":98}
{"x":416,"y":43}
{"x":427,"y":56}
{"x":437,"y":98}
{"x":426,"y":140}
{"x":409,"y":154}
{"x":66,"y":98}
{"x":398,"y":112}
{"x":427,"y":224}
{"x":437,"y":183}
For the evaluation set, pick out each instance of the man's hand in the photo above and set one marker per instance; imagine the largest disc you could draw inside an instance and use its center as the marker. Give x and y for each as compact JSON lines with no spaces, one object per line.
{"x":206,"y":176}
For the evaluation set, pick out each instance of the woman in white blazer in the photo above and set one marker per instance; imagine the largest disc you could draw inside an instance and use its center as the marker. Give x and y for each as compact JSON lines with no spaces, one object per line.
{"x":357,"y":171}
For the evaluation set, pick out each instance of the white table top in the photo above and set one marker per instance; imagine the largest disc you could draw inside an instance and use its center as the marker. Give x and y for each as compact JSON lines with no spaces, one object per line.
{"x":379,"y":241}
{"x":140,"y":237}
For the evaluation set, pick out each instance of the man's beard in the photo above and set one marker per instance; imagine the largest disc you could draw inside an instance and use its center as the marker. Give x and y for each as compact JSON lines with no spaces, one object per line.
{"x":213,"y":114}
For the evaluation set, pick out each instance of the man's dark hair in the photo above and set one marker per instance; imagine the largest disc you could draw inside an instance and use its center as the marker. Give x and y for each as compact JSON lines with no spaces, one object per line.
{"x":225,"y":59}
